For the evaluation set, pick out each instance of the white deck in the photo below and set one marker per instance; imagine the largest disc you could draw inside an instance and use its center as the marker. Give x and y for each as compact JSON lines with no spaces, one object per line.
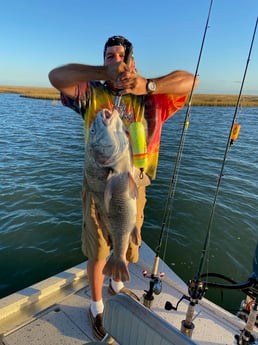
{"x":55,"y":311}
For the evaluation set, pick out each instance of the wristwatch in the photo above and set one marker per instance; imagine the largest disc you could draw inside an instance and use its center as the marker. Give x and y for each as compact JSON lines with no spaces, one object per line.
{"x":150,"y":86}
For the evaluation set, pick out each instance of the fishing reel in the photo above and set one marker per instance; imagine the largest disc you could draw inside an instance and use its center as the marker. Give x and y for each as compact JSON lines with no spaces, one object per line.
{"x":248,"y":313}
{"x":196,"y":290}
{"x":246,"y":307}
{"x":155,"y":287}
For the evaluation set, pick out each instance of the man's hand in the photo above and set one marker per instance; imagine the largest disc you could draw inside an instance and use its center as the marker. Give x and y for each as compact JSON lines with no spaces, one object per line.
{"x":115,"y":70}
{"x":130,"y":82}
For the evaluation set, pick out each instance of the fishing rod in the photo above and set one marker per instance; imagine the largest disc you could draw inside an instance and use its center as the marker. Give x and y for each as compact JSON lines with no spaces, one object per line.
{"x":155,"y":281}
{"x":196,"y":287}
{"x":233,"y":134}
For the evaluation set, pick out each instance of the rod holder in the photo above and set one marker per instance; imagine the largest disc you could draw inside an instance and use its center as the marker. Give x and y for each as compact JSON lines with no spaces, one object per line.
{"x":187,"y":325}
{"x":148,"y":300}
{"x":246,"y":337}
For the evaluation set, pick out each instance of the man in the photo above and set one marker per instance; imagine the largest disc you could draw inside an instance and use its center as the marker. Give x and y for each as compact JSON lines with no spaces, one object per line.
{"x":149,"y":101}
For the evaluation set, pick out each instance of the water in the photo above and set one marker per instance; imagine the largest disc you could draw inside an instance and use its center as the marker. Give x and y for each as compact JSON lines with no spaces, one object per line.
{"x":42,"y":151}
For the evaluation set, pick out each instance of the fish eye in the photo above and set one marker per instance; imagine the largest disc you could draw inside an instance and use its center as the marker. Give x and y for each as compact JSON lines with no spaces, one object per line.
{"x":92,"y":130}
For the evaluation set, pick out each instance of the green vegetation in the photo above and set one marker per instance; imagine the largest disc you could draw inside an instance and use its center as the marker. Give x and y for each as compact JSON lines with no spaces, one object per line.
{"x":224,"y":100}
{"x":198,"y":99}
{"x":32,"y":92}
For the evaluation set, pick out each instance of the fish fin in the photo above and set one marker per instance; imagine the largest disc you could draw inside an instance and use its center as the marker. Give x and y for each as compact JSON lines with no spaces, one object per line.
{"x":117,"y":269}
{"x":135,"y":236}
{"x":108,"y":191}
{"x":133,"y":190}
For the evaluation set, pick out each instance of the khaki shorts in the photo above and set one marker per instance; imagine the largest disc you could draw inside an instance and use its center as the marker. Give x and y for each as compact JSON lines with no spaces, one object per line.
{"x":95,"y":246}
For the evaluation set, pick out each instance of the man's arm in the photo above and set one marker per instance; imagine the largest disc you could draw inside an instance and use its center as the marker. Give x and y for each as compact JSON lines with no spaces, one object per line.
{"x":67,"y":77}
{"x":176,"y":82}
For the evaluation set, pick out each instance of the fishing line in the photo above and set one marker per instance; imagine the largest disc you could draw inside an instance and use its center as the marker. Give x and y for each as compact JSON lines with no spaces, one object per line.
{"x":174,"y":178}
{"x":234,"y":131}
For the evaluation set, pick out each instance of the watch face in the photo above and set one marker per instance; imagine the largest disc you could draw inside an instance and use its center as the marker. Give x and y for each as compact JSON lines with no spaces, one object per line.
{"x":151,"y":86}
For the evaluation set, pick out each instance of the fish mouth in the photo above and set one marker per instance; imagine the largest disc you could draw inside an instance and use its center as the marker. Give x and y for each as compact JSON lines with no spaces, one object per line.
{"x":107,"y":116}
{"x":108,"y":161}
{"x":103,"y":159}
{"x":111,"y":155}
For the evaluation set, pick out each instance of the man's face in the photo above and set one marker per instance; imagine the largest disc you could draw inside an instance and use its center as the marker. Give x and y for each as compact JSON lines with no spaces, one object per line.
{"x":116,"y":54}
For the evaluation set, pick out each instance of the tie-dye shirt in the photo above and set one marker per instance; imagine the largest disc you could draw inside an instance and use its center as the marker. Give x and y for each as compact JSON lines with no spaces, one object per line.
{"x":151,"y":110}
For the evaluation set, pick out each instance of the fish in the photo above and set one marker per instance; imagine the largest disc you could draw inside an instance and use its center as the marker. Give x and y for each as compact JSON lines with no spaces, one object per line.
{"x":109,"y":176}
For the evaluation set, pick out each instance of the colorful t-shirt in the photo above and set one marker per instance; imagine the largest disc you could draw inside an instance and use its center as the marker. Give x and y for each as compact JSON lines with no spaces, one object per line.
{"x":151,"y":110}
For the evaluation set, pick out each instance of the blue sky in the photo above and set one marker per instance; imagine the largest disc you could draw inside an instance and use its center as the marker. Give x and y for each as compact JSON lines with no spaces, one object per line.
{"x":37,"y":36}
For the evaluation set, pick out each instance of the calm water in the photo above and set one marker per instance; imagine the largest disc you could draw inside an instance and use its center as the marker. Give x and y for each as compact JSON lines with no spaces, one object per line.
{"x":42,"y":151}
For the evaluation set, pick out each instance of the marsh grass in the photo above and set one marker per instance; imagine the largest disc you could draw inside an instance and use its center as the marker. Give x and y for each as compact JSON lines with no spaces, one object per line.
{"x":224,"y":100}
{"x":32,"y":92}
{"x":198,"y":99}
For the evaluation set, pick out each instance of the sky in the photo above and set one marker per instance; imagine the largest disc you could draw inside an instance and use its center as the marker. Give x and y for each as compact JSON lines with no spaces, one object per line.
{"x":37,"y":36}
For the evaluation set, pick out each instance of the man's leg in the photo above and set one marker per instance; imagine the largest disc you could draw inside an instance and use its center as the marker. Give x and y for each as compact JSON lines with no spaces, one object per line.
{"x":96,"y":278}
{"x":96,"y":249}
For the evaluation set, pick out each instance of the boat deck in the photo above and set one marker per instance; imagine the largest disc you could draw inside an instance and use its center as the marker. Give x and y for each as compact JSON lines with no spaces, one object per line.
{"x":55,"y":311}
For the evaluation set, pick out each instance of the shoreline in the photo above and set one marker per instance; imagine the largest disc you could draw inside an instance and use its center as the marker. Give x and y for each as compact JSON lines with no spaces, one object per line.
{"x":215,"y":100}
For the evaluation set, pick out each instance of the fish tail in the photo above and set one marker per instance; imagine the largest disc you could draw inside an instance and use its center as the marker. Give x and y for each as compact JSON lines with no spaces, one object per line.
{"x":117,"y":269}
